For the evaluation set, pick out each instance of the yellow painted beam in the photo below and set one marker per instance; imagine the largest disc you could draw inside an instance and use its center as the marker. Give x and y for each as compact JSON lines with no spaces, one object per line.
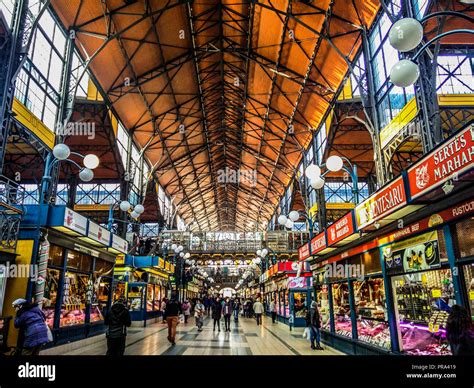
{"x":33,"y":123}
{"x":456,"y":99}
{"x":346,"y":93}
{"x":403,"y":117}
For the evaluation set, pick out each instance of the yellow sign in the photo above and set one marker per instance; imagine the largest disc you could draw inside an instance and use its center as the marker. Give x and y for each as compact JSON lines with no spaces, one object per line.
{"x":167,"y":266}
{"x":436,"y":293}
{"x":161,"y":263}
{"x":120,"y":260}
{"x":471,"y":295}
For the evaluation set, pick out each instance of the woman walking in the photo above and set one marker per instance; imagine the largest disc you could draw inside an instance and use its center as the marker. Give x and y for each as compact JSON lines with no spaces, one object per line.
{"x":186,"y":310}
{"x":217,"y":314}
{"x":199,"y":310}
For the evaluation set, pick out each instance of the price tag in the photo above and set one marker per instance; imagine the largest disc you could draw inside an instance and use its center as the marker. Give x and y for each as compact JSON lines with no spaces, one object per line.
{"x":430,"y":327}
{"x":436,"y":329}
{"x":436,"y":293}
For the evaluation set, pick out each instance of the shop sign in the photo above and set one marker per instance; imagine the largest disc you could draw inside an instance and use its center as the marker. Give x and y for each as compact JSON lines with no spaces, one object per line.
{"x":414,"y":254}
{"x":85,"y":250}
{"x":75,"y":221}
{"x":381,"y":203}
{"x":318,"y":243}
{"x":167,"y":266}
{"x":471,"y":295}
{"x":341,"y":229}
{"x":98,"y":233}
{"x":298,"y":282}
{"x":161,"y":263}
{"x":447,"y":162}
{"x":119,"y":244}
{"x":303,"y":252}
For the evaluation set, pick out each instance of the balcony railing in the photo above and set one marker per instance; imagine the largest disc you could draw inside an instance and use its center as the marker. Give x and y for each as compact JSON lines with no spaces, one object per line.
{"x":11,"y":211}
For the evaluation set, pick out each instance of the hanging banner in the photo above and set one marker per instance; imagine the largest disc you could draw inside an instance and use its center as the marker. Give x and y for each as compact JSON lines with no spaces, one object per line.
{"x":341,"y":229}
{"x":415,"y":254}
{"x":41,"y":274}
{"x":446,"y":162}
{"x":381,"y":203}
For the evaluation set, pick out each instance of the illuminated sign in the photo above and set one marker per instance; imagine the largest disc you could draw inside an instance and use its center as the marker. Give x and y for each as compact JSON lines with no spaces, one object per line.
{"x":341,"y":229}
{"x":318,"y":243}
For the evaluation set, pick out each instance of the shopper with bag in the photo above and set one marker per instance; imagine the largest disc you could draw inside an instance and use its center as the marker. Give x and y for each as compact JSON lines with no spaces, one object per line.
{"x":31,"y":321}
{"x":313,"y":321}
{"x":199,"y":310}
{"x":172,"y":312}
{"x":117,"y":320}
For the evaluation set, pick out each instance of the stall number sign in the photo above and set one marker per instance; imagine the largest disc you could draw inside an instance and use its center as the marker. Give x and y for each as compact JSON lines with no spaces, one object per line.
{"x":447,"y":162}
{"x":98,"y":233}
{"x":303,"y":252}
{"x":119,"y":244}
{"x":318,"y":243}
{"x":381,"y":203}
{"x":341,"y":229}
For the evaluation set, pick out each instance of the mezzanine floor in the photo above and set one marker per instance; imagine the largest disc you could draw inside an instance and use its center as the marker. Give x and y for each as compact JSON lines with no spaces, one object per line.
{"x":245,"y":338}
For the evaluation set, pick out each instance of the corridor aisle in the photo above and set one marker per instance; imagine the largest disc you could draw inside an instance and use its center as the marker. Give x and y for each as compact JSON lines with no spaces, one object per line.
{"x":245,"y":339}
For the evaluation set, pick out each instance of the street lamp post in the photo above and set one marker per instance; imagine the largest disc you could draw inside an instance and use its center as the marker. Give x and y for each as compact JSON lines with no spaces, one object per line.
{"x":124,"y":206}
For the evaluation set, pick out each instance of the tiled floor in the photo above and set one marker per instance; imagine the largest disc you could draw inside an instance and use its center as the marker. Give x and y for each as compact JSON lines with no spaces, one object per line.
{"x":245,"y":338}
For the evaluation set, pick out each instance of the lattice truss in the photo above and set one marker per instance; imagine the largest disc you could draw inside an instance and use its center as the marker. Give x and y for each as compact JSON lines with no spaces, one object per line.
{"x":213,"y":88}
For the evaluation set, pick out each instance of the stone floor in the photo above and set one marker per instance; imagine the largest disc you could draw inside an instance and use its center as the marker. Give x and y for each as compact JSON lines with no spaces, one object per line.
{"x":245,"y":338}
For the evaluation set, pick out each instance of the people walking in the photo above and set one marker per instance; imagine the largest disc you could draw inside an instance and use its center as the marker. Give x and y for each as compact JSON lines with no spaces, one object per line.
{"x":163,"y":309}
{"x":236,"y":307}
{"x":216,"y":314}
{"x":258,"y":310}
{"x":227,"y":312}
{"x":460,"y":332}
{"x":117,"y":320}
{"x":313,"y":321}
{"x":173,"y":309}
{"x":199,"y":311}
{"x":31,"y":322}
{"x":273,"y":310}
{"x":186,"y":306}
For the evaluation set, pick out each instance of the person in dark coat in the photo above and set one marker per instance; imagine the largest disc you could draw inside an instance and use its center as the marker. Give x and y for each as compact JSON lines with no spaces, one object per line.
{"x":117,"y":320}
{"x":31,"y":322}
{"x":460,"y":332}
{"x":227,"y":311}
{"x":172,"y":311}
{"x":217,"y":314}
{"x":313,"y":321}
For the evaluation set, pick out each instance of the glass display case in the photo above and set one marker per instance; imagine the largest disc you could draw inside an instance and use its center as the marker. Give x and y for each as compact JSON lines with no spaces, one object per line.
{"x":157,"y":297}
{"x":50,"y":294}
{"x":322,"y":299}
{"x":150,"y":297}
{"x":371,"y":312}
{"x":73,"y":308}
{"x":119,"y":291}
{"x":299,"y":304}
{"x":469,"y":281}
{"x":135,"y":294}
{"x":341,"y":309}
{"x":422,"y":302}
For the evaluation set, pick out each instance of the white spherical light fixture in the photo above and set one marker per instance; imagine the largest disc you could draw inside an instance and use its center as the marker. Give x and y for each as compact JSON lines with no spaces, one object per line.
{"x":405,"y":34}
{"x":258,"y":260}
{"x":173,"y":247}
{"x":125,"y":206}
{"x":180,"y":248}
{"x":334,"y":163}
{"x":282,"y":219}
{"x":312,"y":171}
{"x":317,"y":183}
{"x":134,"y":214}
{"x":181,"y":254}
{"x":259,"y":252}
{"x":289,"y":224}
{"x":91,"y":161}
{"x":139,"y":209}
{"x":265,"y":250}
{"x":187,"y":255}
{"x":294,"y":215}
{"x":86,"y":175}
{"x":404,"y":73}
{"x":61,"y":151}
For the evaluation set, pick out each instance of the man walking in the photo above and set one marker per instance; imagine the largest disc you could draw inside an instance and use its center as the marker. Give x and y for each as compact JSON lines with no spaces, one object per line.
{"x":117,"y":320}
{"x":199,"y":310}
{"x":273,"y":310}
{"x":258,"y":310}
{"x":313,"y":321}
{"x":173,"y":309}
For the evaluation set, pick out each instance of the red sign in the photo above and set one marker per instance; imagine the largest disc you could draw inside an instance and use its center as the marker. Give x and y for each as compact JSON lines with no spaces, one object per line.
{"x":318,"y":243}
{"x":381,"y":203}
{"x":341,"y":229}
{"x":446,"y":162}
{"x":303,"y":252}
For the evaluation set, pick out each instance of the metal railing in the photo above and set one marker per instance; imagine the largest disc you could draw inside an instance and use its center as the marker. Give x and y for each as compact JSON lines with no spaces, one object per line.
{"x":11,"y":211}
